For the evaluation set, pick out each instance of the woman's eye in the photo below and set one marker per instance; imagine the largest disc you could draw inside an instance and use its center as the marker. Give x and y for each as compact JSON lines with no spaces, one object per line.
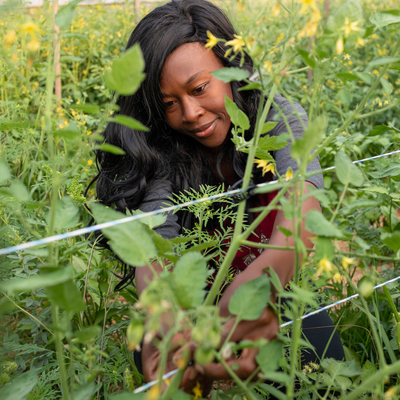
{"x":169,"y":104}
{"x":200,"y":89}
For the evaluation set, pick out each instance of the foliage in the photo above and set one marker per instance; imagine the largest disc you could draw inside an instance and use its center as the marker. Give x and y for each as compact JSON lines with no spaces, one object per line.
{"x":66,"y":333}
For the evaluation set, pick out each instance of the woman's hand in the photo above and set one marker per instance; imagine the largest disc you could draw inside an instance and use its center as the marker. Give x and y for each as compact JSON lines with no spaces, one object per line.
{"x":265,"y":327}
{"x":182,"y":350}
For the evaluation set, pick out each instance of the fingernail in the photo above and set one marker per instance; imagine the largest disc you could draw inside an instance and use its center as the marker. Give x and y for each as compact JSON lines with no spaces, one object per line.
{"x":199,"y":368}
{"x":192,"y":373}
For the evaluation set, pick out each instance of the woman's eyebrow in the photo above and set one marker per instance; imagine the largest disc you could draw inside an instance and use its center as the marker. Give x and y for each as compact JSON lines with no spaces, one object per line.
{"x":194,"y":77}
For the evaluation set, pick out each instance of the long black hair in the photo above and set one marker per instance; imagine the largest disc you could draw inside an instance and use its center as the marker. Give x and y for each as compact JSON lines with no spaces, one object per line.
{"x":163,"y":154}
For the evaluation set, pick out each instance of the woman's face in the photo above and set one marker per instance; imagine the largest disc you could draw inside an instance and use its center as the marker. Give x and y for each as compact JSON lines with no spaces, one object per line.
{"x":194,"y":100}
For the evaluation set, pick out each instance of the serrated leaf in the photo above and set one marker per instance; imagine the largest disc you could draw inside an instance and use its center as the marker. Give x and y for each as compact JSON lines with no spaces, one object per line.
{"x":188,"y":280}
{"x":126,"y":73}
{"x":269,"y":356}
{"x":346,"y":171}
{"x":392,"y":170}
{"x":66,"y":14}
{"x":385,"y":18}
{"x":130,"y":241}
{"x":250,"y":299}
{"x":317,"y":224}
{"x":379,"y":130}
{"x":392,"y":240}
{"x":66,"y":215}
{"x":4,"y":172}
{"x":238,"y":117}
{"x":268,"y":126}
{"x":312,"y":137}
{"x":152,"y":221}
{"x":271,"y":143}
{"x":19,"y":387}
{"x":36,"y":282}
{"x":368,"y":369}
{"x":230,"y":74}
{"x":129,"y":122}
{"x":341,"y":368}
{"x":86,"y":108}
{"x":110,"y":148}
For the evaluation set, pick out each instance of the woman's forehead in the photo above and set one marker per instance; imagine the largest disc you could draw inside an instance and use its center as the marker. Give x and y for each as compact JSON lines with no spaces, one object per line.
{"x":187,"y":62}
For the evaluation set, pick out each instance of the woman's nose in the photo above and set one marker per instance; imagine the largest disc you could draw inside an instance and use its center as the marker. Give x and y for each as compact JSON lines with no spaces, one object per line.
{"x":192,"y":110}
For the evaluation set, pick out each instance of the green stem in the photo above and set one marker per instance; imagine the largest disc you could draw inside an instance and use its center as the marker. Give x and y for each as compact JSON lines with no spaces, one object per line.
{"x":340,"y":202}
{"x":391,"y":304}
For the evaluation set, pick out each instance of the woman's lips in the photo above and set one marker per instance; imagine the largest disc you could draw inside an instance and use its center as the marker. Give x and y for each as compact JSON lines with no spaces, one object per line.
{"x":206,"y":132}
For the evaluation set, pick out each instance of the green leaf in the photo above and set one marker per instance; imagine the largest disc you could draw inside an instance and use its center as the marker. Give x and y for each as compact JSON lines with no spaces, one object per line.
{"x":350,"y":9}
{"x":341,"y":368}
{"x":35,"y":282}
{"x":6,"y":125}
{"x":126,"y":73}
{"x":19,"y":387}
{"x":385,"y":18}
{"x":189,"y":279}
{"x":271,"y":143}
{"x":71,"y":59}
{"x":368,"y":369}
{"x":129,"y":122}
{"x":325,"y":249}
{"x":346,"y":171}
{"x":379,"y":130}
{"x":387,"y":87}
{"x":285,"y":231}
{"x":383,"y":61}
{"x":262,"y":155}
{"x":66,"y":14}
{"x":86,"y":391}
{"x":392,"y":240}
{"x":317,"y":224}
{"x":344,"y":96}
{"x":19,"y":191}
{"x":93,"y":287}
{"x":152,"y":221}
{"x":110,"y":148}
{"x":130,"y":241}
{"x":268,"y":126}
{"x":66,"y":296}
{"x":238,"y":117}
{"x":392,"y":170}
{"x":363,"y":76}
{"x":180,"y":395}
{"x":376,"y":189}
{"x":312,"y":137}
{"x":230,"y":74}
{"x":307,"y":60}
{"x":86,"y":108}
{"x":345,"y":76}
{"x":70,"y":133}
{"x":269,"y":356}
{"x":249,"y":299}
{"x":86,"y":334}
{"x":66,"y":215}
{"x":4,"y":172}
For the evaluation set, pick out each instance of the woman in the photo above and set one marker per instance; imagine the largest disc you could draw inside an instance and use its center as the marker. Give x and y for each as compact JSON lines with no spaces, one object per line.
{"x":189,"y":145}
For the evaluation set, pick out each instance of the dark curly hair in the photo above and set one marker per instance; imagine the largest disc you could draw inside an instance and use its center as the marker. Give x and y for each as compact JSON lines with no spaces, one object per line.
{"x":163,"y":154}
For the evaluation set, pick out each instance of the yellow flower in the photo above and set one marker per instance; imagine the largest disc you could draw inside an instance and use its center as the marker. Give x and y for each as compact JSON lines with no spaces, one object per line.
{"x":268,"y":65}
{"x":289,"y":174}
{"x":325,"y":266}
{"x":154,"y":393}
{"x":337,"y":277}
{"x":276,"y":10}
{"x":30,"y":27}
{"x":309,"y":30}
{"x":236,"y":43}
{"x":307,"y":3}
{"x":350,"y":27}
{"x":197,"y":391}
{"x":360,"y":42}
{"x":90,"y":162}
{"x":339,"y":46}
{"x":14,"y":57}
{"x":266,"y":166}
{"x":212,"y":41}
{"x":89,"y":132}
{"x":347,"y":56}
{"x":346,"y":262}
{"x":33,"y":45}
{"x":10,"y":38}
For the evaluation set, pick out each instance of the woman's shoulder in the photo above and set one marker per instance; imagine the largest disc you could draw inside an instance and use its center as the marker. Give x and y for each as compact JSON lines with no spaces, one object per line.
{"x":281,"y":105}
